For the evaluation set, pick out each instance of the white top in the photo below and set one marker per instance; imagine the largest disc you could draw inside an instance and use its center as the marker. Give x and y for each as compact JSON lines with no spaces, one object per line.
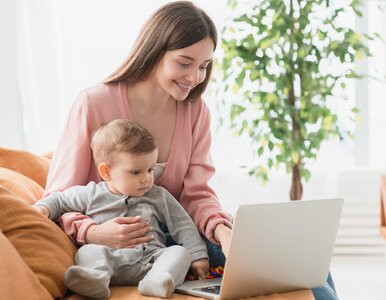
{"x":158,"y":170}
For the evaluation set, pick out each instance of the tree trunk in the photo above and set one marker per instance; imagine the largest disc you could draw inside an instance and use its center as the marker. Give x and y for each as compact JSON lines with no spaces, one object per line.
{"x":296,"y":185}
{"x":296,"y":191}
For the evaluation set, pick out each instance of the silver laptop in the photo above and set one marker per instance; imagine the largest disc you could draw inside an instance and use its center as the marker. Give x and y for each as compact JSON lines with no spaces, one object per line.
{"x":275,"y":247}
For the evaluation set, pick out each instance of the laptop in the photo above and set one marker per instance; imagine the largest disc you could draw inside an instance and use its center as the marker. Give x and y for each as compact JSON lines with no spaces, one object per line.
{"x":275,"y":247}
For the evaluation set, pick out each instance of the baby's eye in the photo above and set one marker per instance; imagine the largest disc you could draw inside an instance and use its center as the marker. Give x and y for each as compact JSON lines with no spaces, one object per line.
{"x":151,"y":170}
{"x":135,"y":172}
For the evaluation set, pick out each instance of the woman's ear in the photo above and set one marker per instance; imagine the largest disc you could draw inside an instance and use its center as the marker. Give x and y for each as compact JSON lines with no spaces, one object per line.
{"x":104,"y":171}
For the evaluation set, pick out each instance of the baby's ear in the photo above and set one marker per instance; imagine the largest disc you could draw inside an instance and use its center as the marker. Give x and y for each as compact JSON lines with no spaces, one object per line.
{"x":104,"y":171}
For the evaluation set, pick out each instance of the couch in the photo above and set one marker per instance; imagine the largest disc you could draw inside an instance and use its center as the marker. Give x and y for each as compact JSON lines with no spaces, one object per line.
{"x":34,"y":251}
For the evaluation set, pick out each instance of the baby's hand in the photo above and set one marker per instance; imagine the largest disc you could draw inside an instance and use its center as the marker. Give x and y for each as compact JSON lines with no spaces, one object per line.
{"x":42,"y":209}
{"x":200,"y":267}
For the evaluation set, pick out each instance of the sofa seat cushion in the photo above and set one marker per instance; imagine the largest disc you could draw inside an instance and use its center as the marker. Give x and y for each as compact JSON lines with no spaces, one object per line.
{"x":42,"y":245}
{"x":131,"y":292}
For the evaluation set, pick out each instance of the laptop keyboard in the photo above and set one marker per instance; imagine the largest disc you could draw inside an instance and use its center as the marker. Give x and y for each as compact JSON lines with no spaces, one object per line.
{"x":210,"y":289}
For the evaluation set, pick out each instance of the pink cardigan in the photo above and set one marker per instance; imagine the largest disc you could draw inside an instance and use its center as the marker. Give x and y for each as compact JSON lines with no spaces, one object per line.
{"x":186,"y":175}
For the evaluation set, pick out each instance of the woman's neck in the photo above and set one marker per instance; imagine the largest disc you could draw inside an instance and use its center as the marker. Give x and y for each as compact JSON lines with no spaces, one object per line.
{"x":155,"y":110}
{"x":148,"y":96}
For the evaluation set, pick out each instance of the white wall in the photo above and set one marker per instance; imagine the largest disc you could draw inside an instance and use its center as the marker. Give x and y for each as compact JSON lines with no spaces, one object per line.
{"x":377,"y":88}
{"x":11,"y":133}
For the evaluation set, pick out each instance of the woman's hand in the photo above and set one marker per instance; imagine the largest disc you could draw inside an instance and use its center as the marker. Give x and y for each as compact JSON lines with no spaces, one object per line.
{"x":120,"y":232}
{"x":223,"y":234}
{"x":200,"y":267}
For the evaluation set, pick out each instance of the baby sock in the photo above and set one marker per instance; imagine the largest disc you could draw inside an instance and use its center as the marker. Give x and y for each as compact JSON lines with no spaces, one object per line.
{"x":160,"y":285}
{"x":88,"y":282}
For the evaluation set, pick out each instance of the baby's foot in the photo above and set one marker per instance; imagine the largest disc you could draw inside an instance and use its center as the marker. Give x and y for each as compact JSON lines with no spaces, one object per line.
{"x":162,"y":286}
{"x":87,"y":282}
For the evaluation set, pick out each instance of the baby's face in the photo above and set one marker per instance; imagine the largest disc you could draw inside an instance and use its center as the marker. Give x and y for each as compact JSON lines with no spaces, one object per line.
{"x":132,"y":175}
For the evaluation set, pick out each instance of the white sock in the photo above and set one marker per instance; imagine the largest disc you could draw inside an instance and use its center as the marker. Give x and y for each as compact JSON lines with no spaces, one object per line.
{"x":161,"y":286}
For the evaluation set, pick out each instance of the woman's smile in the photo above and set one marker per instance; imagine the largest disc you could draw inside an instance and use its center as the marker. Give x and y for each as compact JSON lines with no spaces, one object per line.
{"x":184,"y":87}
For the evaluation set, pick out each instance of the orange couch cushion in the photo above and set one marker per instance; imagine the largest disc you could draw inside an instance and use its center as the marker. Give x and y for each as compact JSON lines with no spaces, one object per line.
{"x":43,"y":246}
{"x":30,"y":165}
{"x":20,"y":185}
{"x":25,"y":284}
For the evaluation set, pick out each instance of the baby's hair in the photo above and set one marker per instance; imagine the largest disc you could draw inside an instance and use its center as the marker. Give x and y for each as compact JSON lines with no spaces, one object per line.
{"x":120,"y":136}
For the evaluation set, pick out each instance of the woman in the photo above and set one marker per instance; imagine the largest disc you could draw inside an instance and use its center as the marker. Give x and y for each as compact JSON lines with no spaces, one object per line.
{"x":158,"y":86}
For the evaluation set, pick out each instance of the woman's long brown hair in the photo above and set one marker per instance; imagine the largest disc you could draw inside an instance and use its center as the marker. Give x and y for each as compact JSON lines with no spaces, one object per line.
{"x":174,"y":26}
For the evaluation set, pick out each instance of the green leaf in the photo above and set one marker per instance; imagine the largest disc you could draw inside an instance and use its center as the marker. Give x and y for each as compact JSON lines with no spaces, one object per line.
{"x":260,"y":151}
{"x":235,"y":87}
{"x":360,"y":55}
{"x":295,"y":157}
{"x":240,"y":78}
{"x":306,"y":174}
{"x":270,"y":146}
{"x":270,"y":163}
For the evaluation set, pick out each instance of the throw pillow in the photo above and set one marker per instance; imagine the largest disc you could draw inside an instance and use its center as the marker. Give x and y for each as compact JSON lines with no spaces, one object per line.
{"x":42,"y":245}
{"x":26,"y":163}
{"x":18,"y":282}
{"x":20,"y":185}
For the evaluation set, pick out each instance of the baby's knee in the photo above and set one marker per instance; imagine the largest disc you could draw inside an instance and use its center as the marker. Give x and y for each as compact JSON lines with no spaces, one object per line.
{"x":179,"y":251}
{"x":177,"y":248}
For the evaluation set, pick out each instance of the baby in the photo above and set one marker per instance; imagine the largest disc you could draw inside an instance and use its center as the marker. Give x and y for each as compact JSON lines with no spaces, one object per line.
{"x":125,"y":155}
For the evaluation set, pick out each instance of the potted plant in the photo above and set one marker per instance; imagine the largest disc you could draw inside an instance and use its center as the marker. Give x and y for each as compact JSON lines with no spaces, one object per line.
{"x":284,"y":63}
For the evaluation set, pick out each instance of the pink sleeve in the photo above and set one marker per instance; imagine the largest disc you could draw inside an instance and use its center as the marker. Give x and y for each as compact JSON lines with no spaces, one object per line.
{"x":197,"y":197}
{"x":71,"y":164}
{"x":75,"y":225}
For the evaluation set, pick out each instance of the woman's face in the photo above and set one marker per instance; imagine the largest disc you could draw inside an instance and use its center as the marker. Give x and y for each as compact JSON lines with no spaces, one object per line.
{"x":179,"y":71}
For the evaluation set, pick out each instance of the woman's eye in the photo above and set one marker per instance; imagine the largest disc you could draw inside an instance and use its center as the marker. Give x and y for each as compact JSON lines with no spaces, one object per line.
{"x":184,"y":65}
